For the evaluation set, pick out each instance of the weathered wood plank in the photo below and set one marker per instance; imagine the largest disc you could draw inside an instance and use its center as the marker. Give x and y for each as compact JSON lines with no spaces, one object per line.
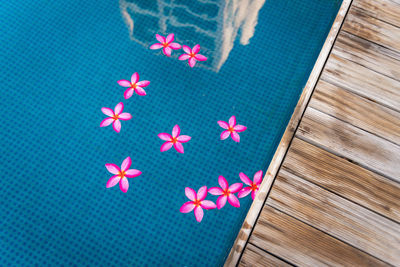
{"x":254,"y":257}
{"x":368,"y":150}
{"x":303,"y":245}
{"x":344,"y":178}
{"x":357,"y":111}
{"x":362,"y":81}
{"x":360,"y":23}
{"x":337,"y":216}
{"x":386,"y":10}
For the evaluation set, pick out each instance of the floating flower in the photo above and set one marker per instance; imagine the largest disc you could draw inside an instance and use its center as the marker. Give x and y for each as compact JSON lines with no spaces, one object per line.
{"x":175,"y":140}
{"x":192,"y":55}
{"x":115,"y":117}
{"x":226,"y":192}
{"x":166,"y":44}
{"x":134,"y":86}
{"x":122,"y":174}
{"x":232,"y":129}
{"x":252,"y":187}
{"x":197,"y":202}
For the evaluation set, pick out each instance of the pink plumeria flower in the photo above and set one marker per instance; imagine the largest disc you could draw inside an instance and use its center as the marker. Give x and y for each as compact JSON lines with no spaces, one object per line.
{"x":121,"y":175}
{"x":252,"y":187}
{"x":115,"y":117}
{"x":226,"y":192}
{"x":175,"y":140}
{"x":232,"y":129}
{"x":197,"y":202}
{"x":192,"y":55}
{"x":134,"y":86}
{"x":166,"y":44}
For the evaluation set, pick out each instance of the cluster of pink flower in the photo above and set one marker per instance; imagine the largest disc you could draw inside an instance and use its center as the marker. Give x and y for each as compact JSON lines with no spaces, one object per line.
{"x":225,"y":192}
{"x":167,"y":44}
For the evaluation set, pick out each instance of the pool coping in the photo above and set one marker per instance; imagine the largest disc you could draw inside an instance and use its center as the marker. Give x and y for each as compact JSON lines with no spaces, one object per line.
{"x":280,"y":153}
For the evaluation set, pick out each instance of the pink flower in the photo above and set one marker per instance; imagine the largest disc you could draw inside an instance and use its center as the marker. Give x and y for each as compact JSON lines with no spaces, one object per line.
{"x":166,"y":44}
{"x":252,"y":187}
{"x":115,"y":117}
{"x":175,"y":140}
{"x":226,"y":192}
{"x":232,"y":129}
{"x":197,"y":202}
{"x":192,"y":55}
{"x":122,"y":174}
{"x":134,"y":86}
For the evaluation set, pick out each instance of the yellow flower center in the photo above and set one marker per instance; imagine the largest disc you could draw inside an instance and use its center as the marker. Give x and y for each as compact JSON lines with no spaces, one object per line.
{"x":133,"y":85}
{"x":115,"y":117}
{"x":197,"y":202}
{"x":122,"y":174}
{"x":230,"y":129}
{"x":174,"y":140}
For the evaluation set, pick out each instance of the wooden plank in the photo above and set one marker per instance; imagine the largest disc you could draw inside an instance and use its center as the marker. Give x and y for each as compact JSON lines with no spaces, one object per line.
{"x":253,"y":257}
{"x":344,"y":178}
{"x":362,"y":81}
{"x":303,"y":245}
{"x":360,"y":23}
{"x":386,"y":10}
{"x":336,"y":216}
{"x":363,"y":148}
{"x":357,"y":111}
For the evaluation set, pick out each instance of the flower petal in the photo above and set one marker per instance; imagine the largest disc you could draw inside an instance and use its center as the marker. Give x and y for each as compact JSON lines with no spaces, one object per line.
{"x":124,"y":184}
{"x":221,"y":201}
{"x":257,"y":177}
{"x":179,"y":147}
{"x":254,"y":193}
{"x":198,"y":213}
{"x":160,"y":38}
{"x":156,"y":46}
{"x":240,"y":128}
{"x":245,"y":179}
{"x":166,"y":146}
{"x":244,"y":192}
{"x":192,"y":62}
{"x":108,"y":111}
{"x":187,"y":207}
{"x":126,"y":164}
{"x":124,"y":83}
{"x":200,"y":57}
{"x":175,"y":46}
{"x":233,"y":200}
{"x":143,"y":83}
{"x":183,"y":57}
{"x":128,"y":93}
{"x":132,"y":173}
{"x":235,"y":187}
{"x":106,"y":122}
{"x":165,"y":136}
{"x":117,"y":126}
{"x":196,"y":49}
{"x":216,"y":191}
{"x":187,"y":49}
{"x":202,"y":193}
{"x":119,"y":108}
{"x":176,"y":131}
{"x":223,"y":182}
{"x":169,"y":38}
{"x":125,"y":116}
{"x":190,"y":193}
{"x":232,"y":121}
{"x":225,"y":134}
{"x":113,"y":181}
{"x":135,"y":78}
{"x":112,"y":168}
{"x":208,"y":205}
{"x":184,"y":138}
{"x":235,"y":137}
{"x":223,"y":124}
{"x":167,"y":51}
{"x":140,"y":91}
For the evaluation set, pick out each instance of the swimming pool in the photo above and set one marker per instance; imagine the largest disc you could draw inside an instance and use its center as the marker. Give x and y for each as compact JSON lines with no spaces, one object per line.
{"x":63,"y":61}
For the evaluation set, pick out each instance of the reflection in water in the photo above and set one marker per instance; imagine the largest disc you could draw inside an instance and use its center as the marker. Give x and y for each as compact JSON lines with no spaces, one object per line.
{"x":214,"y":24}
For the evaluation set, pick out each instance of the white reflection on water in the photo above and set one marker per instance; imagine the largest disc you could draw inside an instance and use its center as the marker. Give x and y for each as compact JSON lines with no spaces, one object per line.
{"x":214,"y":25}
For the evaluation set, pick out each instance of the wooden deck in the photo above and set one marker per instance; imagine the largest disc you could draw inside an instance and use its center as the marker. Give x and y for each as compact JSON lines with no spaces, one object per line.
{"x":336,"y":198}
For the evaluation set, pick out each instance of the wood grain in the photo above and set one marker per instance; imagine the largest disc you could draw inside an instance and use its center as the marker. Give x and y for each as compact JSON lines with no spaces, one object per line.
{"x":336,"y":216}
{"x":357,"y":111}
{"x":363,"y":148}
{"x":344,"y":178}
{"x":255,"y":257}
{"x":303,"y":245}
{"x":385,"y":10}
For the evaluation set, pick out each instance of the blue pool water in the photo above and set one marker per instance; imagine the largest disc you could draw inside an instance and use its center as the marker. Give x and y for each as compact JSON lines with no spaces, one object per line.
{"x":60,"y":63}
